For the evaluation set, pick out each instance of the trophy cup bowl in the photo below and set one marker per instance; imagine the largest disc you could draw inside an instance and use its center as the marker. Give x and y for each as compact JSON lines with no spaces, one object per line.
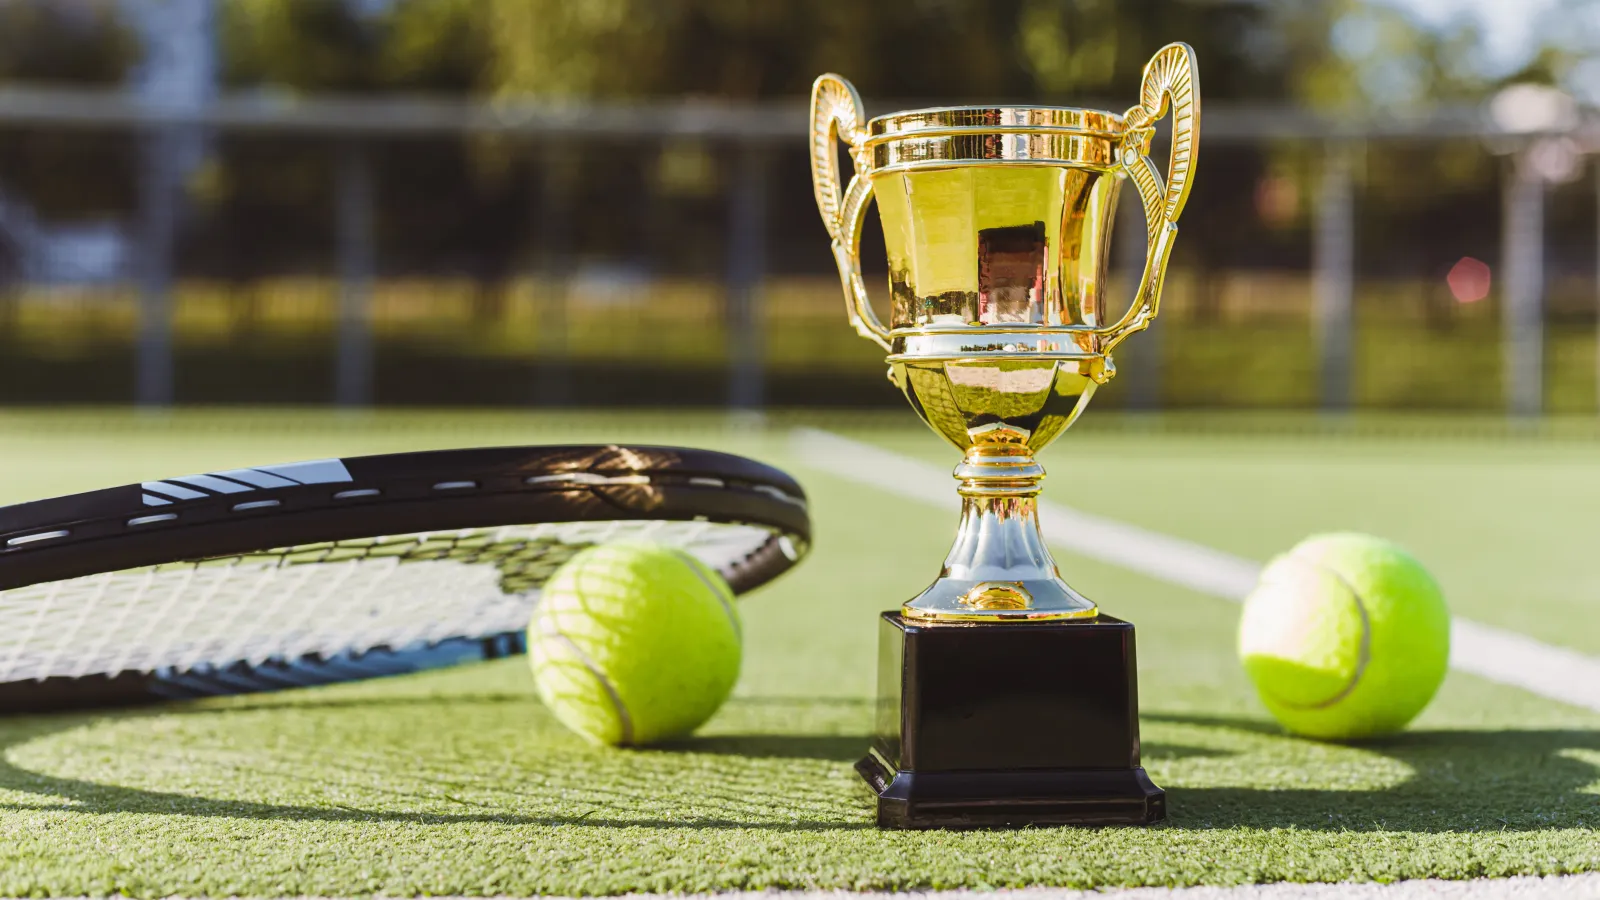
{"x":997,"y":225}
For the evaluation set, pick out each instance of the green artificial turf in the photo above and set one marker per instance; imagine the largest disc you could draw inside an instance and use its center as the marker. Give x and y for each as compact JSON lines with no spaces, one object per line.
{"x":459,"y":782}
{"x":1507,"y":524}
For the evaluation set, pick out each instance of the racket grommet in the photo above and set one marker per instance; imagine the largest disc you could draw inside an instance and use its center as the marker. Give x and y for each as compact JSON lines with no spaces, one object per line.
{"x":34,"y":538}
{"x":256,"y":504}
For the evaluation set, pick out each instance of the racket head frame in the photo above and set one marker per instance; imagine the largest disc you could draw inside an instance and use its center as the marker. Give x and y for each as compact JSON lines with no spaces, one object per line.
{"x":246,"y":511}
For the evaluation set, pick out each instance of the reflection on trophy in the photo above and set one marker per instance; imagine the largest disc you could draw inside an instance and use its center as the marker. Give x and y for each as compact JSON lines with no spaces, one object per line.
{"x":1006,"y":697}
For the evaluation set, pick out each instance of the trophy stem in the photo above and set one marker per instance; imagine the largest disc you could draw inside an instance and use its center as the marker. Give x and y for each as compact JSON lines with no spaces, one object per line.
{"x":999,"y":568}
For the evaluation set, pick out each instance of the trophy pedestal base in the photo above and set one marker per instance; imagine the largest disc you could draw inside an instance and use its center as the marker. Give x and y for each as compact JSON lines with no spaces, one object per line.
{"x":1008,"y":725}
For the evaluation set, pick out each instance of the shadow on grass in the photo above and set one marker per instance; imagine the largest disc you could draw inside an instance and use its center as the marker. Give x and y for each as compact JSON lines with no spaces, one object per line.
{"x":288,"y":701}
{"x":1460,"y":781}
{"x":293,"y":700}
{"x":1513,"y":780}
{"x":836,"y":748}
{"x":58,"y":794}
{"x":1162,"y":752}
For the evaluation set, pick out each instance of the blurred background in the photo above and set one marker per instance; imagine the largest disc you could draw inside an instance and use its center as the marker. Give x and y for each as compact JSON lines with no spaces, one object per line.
{"x":608,"y":202}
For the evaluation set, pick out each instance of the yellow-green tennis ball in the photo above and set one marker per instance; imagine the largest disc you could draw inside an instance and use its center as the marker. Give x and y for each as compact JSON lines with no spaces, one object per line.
{"x":1346,"y":636}
{"x":633,"y":643}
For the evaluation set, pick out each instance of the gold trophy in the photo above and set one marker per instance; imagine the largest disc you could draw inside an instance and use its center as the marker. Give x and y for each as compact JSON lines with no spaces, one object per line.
{"x":997,"y":224}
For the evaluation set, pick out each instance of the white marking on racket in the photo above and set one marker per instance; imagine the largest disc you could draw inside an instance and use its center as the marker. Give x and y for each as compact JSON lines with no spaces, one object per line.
{"x":256,"y":504}
{"x":175,"y":491}
{"x":35,"y":538}
{"x":1557,"y":673}
{"x":778,"y":494}
{"x":256,"y":478}
{"x":214,"y":484}
{"x":314,"y":471}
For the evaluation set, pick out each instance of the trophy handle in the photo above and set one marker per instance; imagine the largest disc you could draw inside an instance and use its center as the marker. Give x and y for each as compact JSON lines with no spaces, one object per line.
{"x":1172,"y":77}
{"x":836,"y":116}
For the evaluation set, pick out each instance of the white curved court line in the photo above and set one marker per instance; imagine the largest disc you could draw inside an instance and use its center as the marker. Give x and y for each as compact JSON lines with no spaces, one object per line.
{"x":1501,"y":656}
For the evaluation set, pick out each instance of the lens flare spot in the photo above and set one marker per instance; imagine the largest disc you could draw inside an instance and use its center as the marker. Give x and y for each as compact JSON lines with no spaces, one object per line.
{"x":1469,"y":280}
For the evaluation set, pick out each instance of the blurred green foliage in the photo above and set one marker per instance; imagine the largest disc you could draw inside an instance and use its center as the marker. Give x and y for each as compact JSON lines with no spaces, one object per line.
{"x":1338,"y":54}
{"x":79,"y":43}
{"x":262,"y":207}
{"x":466,"y":342}
{"x":326,"y":45}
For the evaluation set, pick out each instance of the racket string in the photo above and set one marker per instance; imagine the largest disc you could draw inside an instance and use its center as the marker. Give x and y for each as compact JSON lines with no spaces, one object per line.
{"x":325,"y":599}
{"x":128,"y":647}
{"x":191,"y":615}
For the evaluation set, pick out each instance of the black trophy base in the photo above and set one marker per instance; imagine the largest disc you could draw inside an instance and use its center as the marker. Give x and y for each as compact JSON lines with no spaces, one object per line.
{"x":1008,"y":725}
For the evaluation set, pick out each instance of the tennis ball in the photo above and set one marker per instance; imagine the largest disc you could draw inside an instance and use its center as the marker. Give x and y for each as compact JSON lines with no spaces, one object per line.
{"x":633,"y":643}
{"x":1346,"y":636}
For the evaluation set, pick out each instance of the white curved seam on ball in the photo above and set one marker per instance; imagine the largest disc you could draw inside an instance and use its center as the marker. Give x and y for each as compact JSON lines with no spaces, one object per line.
{"x":727,"y":604}
{"x":625,"y":720}
{"x":1363,"y":656}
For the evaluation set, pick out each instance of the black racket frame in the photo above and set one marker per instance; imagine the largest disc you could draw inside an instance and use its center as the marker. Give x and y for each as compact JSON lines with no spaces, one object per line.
{"x":399,"y":493}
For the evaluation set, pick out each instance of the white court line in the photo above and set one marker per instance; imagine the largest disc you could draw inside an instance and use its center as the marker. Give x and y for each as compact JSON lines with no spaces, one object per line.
{"x":1501,"y":656}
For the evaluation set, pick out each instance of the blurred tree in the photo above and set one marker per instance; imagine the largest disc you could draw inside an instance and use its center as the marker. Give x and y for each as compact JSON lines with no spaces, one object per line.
{"x":273,"y":194}
{"x":293,"y":44}
{"x":1370,"y":58}
{"x":957,"y":49}
{"x":1339,"y":56}
{"x":75,"y":42}
{"x":336,"y":45}
{"x":1365,"y":56}
{"x":57,"y":174}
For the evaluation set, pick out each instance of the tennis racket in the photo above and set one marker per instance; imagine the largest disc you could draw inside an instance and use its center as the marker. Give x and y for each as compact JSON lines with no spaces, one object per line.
{"x":337,"y":570}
